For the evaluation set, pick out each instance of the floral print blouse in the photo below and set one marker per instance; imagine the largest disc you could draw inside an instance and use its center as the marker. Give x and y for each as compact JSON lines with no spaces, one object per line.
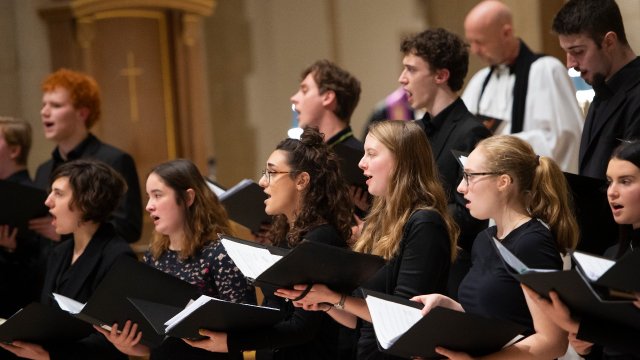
{"x":210,"y":269}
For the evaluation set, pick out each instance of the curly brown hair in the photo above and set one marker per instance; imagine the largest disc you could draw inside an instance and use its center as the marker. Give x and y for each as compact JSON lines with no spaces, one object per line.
{"x":326,"y":198}
{"x":441,"y":50}
{"x":82,"y":88}
{"x":204,"y":219}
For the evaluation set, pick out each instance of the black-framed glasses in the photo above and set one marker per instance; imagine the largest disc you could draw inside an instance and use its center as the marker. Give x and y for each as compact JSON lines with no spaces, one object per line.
{"x":268,"y":173}
{"x":468,"y":176}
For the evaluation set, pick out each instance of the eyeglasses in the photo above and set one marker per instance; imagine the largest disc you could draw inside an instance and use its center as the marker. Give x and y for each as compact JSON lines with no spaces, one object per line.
{"x":268,"y":173}
{"x":468,"y":176}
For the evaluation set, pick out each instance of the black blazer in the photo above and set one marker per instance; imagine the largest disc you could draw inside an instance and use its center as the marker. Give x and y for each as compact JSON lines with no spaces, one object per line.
{"x":127,"y":218}
{"x":79,"y":282}
{"x":617,"y":118}
{"x":459,"y":130}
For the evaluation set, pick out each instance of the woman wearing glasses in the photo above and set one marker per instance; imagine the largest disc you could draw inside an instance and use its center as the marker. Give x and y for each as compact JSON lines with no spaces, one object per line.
{"x":308,"y":199}
{"x":408,"y":226}
{"x":528,"y":198}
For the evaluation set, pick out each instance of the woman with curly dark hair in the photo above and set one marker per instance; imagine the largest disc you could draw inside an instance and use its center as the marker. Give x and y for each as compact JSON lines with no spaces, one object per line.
{"x":309,"y":200}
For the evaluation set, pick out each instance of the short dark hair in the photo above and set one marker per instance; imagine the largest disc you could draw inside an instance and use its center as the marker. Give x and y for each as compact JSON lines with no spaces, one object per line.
{"x":441,"y":50}
{"x":97,"y":188}
{"x":328,"y":76}
{"x":592,"y":17}
{"x":628,"y":150}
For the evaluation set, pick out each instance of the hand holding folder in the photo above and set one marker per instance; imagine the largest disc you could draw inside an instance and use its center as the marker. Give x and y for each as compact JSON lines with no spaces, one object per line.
{"x":402,"y":331}
{"x":575,"y":289}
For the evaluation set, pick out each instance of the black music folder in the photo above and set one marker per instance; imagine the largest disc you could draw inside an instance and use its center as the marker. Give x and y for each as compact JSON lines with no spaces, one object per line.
{"x":575,"y":290}
{"x":402,"y":331}
{"x":349,"y":159}
{"x":244,"y":203}
{"x":38,"y":323}
{"x":207,"y":313}
{"x":129,"y":278}
{"x":621,"y":275}
{"x":20,"y":203}
{"x":310,"y":262}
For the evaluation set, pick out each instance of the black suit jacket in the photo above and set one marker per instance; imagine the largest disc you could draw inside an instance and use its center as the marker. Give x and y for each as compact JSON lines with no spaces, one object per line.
{"x":79,"y":282}
{"x":127,"y":218}
{"x":616,"y":118}
{"x":457,"y":130}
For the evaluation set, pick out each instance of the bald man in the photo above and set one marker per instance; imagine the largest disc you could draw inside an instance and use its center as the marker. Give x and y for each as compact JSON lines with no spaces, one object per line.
{"x":521,"y":93}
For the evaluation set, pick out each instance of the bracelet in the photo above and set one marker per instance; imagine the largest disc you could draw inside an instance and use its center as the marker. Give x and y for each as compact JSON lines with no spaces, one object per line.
{"x":329,"y":307}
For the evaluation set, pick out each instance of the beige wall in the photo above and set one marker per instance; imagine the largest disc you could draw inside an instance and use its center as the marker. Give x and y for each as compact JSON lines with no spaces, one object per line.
{"x":256,"y":50}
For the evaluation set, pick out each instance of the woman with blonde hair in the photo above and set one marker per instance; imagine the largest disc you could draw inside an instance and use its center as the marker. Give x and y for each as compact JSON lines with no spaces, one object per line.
{"x":528,"y":198}
{"x":408,"y":226}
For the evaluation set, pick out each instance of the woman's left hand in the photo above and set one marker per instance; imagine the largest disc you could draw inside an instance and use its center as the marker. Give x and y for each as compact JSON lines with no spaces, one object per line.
{"x":215,"y":342}
{"x":27,"y":350}
{"x":318,"y":294}
{"x":453,"y":355}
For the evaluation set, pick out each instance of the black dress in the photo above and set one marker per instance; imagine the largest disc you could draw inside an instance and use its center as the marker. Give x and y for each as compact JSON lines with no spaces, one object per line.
{"x":302,"y":334}
{"x":420,"y":267}
{"x":215,"y":275}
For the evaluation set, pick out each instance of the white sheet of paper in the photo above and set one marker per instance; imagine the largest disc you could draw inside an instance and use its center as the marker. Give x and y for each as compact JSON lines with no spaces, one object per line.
{"x":391,"y":320}
{"x":593,"y":266}
{"x":193,"y":305}
{"x":514,"y":262}
{"x":68,"y":304}
{"x":251,"y":260}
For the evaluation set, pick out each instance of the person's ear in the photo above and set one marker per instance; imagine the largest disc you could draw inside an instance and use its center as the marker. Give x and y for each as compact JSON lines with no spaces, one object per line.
{"x":609,"y":40}
{"x":442,"y":76}
{"x":504,"y":181}
{"x":83,"y":113}
{"x":191,"y":197}
{"x":302,"y":181}
{"x":15,"y":151}
{"x":329,"y":99}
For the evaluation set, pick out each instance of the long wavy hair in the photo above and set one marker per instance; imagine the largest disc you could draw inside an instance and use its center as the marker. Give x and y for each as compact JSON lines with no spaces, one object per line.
{"x":414,"y":185}
{"x":204,"y":219}
{"x":325,"y":200}
{"x":541,"y":185}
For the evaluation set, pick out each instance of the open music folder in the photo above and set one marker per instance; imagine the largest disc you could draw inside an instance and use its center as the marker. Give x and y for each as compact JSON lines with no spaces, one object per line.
{"x":401,"y":330}
{"x":20,"y":203}
{"x":38,"y":323}
{"x":574,"y":288}
{"x":309,"y":262}
{"x":244,"y":203}
{"x":129,"y":278}
{"x":207,"y":313}
{"x":620,"y":275}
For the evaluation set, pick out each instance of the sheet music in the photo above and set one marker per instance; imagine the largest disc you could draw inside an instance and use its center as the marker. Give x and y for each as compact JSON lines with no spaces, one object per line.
{"x":514,"y":262}
{"x":251,"y":260}
{"x":592,"y":266}
{"x":463,"y":160}
{"x":234,"y":189}
{"x":191,"y":307}
{"x":68,"y":304}
{"x":391,"y":320}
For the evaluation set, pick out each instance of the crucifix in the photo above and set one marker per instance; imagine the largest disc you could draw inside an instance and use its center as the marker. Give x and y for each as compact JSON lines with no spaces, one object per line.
{"x":131,"y":72}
